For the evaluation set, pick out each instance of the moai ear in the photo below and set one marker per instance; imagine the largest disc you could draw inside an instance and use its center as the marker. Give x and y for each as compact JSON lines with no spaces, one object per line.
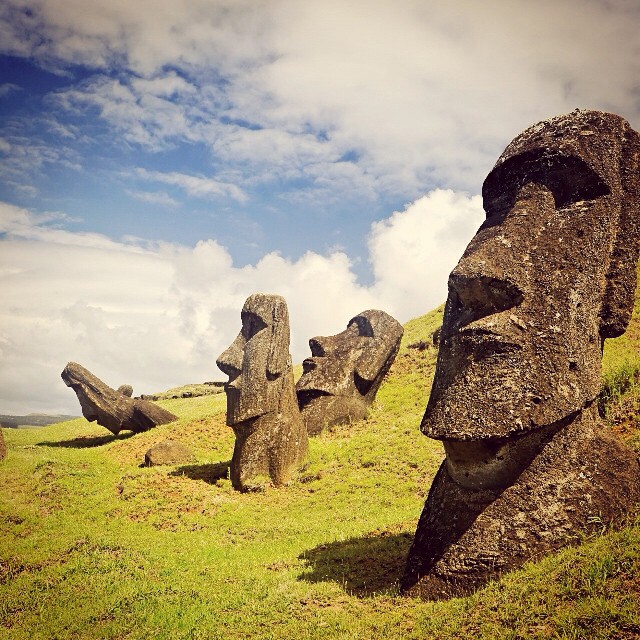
{"x":384,"y":334}
{"x":372,"y":359}
{"x":278,"y":358}
{"x":619,"y":297}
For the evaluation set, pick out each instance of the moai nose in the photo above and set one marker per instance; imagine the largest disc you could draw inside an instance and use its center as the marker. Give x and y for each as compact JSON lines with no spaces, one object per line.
{"x":482,"y":295}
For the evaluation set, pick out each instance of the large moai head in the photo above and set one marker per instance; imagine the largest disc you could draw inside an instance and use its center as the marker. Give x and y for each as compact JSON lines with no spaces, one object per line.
{"x":549,"y":275}
{"x":257,"y":358}
{"x":343,"y":375}
{"x":547,"y":278}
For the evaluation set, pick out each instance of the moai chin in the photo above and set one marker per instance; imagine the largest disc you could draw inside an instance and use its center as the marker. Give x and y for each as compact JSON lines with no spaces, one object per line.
{"x":549,"y":275}
{"x":262,"y":409}
{"x":342,"y":377}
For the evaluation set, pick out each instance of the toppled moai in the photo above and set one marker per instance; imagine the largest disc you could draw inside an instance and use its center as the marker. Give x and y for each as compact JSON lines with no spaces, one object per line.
{"x":262,"y":409}
{"x":111,"y":408}
{"x":342,"y":377}
{"x":549,"y":275}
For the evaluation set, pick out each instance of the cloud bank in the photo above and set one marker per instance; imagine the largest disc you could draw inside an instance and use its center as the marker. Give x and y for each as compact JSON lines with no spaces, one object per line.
{"x":369,"y":97}
{"x":157,"y":315}
{"x":257,"y":125}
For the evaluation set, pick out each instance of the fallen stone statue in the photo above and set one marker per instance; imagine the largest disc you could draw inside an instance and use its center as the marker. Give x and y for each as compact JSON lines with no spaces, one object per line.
{"x":262,"y":408}
{"x":342,"y":377}
{"x":547,"y":278}
{"x":112,"y":409}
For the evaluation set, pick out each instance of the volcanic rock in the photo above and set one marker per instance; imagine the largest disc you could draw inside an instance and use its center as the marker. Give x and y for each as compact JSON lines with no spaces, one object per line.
{"x":342,"y":377}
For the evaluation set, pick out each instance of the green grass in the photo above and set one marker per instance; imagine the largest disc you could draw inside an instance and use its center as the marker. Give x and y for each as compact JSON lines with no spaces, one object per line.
{"x":93,"y":545}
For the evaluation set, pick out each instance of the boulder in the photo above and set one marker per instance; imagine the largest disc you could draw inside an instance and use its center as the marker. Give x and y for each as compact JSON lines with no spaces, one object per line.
{"x":168,"y":452}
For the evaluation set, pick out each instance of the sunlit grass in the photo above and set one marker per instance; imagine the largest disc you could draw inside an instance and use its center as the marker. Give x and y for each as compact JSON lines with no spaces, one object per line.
{"x":93,"y":545}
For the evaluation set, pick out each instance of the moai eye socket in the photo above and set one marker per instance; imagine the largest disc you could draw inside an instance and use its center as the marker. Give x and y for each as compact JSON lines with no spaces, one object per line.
{"x":365,"y":329}
{"x":251,"y":324}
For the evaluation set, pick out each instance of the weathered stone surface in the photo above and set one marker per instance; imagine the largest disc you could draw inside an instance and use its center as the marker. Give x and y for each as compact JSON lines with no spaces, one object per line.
{"x":548,"y":276}
{"x":110,"y":408}
{"x":3,"y":446}
{"x":125,"y":390}
{"x":262,"y":408}
{"x":343,"y":375}
{"x":168,"y":452}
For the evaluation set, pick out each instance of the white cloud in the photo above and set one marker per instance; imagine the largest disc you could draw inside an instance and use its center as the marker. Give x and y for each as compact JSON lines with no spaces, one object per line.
{"x":157,"y":315}
{"x":195,"y":186}
{"x":413,"y":251}
{"x":427,"y":94}
{"x":25,"y":157}
{"x":7,"y":88}
{"x":138,"y":110}
{"x":154,"y":197}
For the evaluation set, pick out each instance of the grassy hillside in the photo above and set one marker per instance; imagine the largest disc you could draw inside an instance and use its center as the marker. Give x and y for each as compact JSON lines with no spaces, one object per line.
{"x":92,"y":545}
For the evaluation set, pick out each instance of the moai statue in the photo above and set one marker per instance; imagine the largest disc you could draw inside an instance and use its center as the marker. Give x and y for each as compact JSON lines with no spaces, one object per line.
{"x":261,"y":400}
{"x":549,"y":275}
{"x":342,"y":377}
{"x":3,"y":446}
{"x":112,"y":409}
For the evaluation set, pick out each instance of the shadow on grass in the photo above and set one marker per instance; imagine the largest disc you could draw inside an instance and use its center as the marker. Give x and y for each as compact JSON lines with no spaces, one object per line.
{"x":86,"y":442}
{"x":210,"y":473}
{"x":363,"y":566}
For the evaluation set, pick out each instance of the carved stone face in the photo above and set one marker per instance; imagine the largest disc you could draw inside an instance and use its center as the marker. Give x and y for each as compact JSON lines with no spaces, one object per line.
{"x":256,"y":359}
{"x":531,"y":299}
{"x":349,"y":366}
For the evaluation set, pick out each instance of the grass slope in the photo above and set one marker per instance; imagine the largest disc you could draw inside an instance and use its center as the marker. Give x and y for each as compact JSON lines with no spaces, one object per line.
{"x":92,"y":545}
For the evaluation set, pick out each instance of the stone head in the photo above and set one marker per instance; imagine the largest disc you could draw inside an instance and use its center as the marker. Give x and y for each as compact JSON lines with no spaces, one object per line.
{"x":97,"y":400}
{"x":112,"y":409}
{"x":549,"y":275}
{"x":256,"y":360}
{"x":349,"y":366}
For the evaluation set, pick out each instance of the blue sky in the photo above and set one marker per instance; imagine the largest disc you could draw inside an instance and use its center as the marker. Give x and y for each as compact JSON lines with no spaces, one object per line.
{"x":160,"y":161}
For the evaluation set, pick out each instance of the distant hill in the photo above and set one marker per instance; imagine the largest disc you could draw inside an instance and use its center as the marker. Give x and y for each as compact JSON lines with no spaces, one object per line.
{"x":187,"y":391}
{"x":32,"y":420}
